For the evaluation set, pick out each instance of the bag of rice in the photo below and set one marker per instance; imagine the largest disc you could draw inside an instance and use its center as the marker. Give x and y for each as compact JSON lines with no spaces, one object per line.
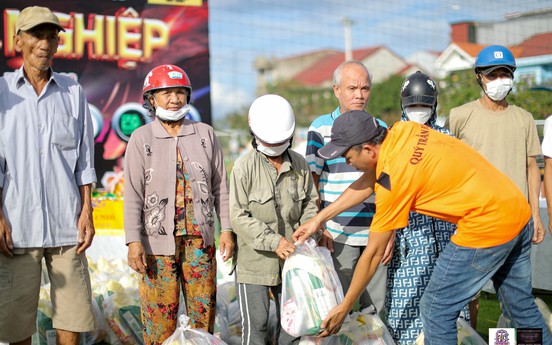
{"x":310,"y":289}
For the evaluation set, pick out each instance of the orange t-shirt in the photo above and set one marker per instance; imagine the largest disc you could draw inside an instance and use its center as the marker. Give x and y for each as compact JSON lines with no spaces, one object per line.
{"x":428,"y":172}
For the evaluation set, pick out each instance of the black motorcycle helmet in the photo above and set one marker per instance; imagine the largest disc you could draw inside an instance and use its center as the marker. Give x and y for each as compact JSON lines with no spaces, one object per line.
{"x":419,"y":89}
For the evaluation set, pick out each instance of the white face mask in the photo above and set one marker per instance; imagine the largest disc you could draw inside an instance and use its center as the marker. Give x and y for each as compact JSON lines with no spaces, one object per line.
{"x":418,"y":114}
{"x":499,"y":88}
{"x":272,"y":151}
{"x":172,"y":115}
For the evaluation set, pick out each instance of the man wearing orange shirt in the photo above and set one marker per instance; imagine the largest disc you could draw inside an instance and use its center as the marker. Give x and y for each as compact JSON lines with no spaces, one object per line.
{"x":412,"y":167}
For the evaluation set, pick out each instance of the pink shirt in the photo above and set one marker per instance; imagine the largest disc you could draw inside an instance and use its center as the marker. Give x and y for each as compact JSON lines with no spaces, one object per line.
{"x":150,"y":184}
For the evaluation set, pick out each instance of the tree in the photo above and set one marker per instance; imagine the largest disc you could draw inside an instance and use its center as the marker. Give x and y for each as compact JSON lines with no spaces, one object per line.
{"x":385,"y":99}
{"x":456,"y":89}
{"x":461,"y":87}
{"x":537,"y":102}
{"x":235,"y":120}
{"x":307,"y":102}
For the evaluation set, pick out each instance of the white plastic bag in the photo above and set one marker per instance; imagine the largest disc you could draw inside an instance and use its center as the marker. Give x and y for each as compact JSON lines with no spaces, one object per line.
{"x":185,"y":335}
{"x":228,"y":319}
{"x":360,"y":328}
{"x":466,"y":335}
{"x":546,"y":314}
{"x":504,"y":322}
{"x":310,"y":289}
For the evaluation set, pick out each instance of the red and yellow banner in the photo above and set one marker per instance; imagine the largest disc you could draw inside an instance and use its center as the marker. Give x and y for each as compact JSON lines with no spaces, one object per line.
{"x":109,"y":46}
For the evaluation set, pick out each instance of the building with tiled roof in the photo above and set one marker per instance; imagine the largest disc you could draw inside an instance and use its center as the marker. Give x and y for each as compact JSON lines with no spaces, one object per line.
{"x":528,"y":35}
{"x":316,"y":69}
{"x":533,"y":59}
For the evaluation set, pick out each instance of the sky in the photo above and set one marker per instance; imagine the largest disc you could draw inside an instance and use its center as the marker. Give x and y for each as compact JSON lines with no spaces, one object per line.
{"x":240,"y":31}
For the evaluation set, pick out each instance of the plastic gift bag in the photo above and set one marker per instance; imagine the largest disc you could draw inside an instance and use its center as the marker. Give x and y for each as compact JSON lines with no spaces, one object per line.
{"x":466,"y":335}
{"x":228,"y":319}
{"x":185,"y":335}
{"x":310,"y":289}
{"x":546,"y":314}
{"x":504,"y":322}
{"x":360,"y":328}
{"x":365,"y":328}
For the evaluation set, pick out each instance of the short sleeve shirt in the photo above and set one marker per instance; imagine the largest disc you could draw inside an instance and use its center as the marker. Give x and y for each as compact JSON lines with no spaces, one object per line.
{"x":428,"y":172}
{"x":547,"y":141}
{"x":505,"y":138}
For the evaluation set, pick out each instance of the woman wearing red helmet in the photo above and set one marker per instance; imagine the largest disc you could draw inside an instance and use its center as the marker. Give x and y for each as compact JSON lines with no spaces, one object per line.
{"x":174,"y":178}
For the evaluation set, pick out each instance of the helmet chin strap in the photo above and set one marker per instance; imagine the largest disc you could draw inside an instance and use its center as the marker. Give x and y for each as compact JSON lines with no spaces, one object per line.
{"x":478,"y":78}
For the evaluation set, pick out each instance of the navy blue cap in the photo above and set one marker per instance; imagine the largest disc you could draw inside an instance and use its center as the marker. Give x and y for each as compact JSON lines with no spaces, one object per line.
{"x":351,"y":128}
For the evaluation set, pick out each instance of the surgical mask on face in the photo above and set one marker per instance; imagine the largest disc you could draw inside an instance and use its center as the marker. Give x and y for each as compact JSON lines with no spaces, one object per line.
{"x":172,"y":115}
{"x":499,"y":88}
{"x":418,"y":114}
{"x":272,"y":151}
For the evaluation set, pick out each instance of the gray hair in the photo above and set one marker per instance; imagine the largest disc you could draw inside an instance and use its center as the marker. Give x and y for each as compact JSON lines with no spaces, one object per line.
{"x":339,"y":69}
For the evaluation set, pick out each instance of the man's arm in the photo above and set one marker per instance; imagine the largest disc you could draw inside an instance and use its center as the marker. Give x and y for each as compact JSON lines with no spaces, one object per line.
{"x":356,"y":193}
{"x":534,"y":185}
{"x":6,"y":243}
{"x":548,"y":188}
{"x":364,"y":271}
{"x":86,"y":222}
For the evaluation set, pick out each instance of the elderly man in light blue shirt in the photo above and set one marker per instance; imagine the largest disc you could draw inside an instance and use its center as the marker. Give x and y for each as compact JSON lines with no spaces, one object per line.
{"x":46,"y":173}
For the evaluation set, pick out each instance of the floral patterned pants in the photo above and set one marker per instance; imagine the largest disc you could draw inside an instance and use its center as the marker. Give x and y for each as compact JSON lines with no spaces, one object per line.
{"x":193,"y":269}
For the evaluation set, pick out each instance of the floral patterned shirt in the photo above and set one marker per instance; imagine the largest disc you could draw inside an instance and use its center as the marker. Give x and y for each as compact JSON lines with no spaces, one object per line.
{"x":184,"y":217}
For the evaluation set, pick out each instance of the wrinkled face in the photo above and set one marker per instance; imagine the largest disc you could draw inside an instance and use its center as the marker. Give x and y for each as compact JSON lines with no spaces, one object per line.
{"x":172,"y":98}
{"x":38,"y":46}
{"x":354,"y":88}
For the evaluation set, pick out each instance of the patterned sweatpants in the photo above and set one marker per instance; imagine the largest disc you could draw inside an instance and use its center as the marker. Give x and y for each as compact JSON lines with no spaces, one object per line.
{"x":193,"y":269}
{"x":417,"y":248}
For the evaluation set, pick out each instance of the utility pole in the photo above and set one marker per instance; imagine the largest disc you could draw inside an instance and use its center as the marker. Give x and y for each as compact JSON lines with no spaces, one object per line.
{"x":347,"y":22}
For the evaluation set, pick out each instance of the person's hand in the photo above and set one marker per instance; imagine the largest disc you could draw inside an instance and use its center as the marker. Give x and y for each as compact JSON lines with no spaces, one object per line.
{"x":333,"y":322}
{"x":137,"y":257}
{"x":388,"y":254}
{"x":285,"y":248}
{"x":539,"y":232}
{"x":6,"y":242}
{"x":306,"y":230}
{"x":226,"y":245}
{"x":326,"y":240}
{"x":86,"y":230}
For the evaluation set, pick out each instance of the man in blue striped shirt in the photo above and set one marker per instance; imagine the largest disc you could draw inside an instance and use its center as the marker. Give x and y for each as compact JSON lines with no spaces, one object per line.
{"x":347,"y":234}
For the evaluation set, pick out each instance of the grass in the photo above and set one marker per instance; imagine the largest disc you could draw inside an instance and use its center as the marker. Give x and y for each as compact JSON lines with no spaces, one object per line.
{"x":489,"y":310}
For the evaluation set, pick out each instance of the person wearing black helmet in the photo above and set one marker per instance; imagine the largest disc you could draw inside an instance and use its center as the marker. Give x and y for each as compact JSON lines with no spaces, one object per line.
{"x":418,"y":245}
{"x":503,"y":133}
{"x":419,"y":101}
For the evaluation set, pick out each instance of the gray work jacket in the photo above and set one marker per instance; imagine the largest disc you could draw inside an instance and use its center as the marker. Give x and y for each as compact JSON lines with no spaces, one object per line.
{"x":266,"y":205}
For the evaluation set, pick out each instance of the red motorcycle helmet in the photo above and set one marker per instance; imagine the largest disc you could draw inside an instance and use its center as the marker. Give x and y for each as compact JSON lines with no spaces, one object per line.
{"x":166,"y":76}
